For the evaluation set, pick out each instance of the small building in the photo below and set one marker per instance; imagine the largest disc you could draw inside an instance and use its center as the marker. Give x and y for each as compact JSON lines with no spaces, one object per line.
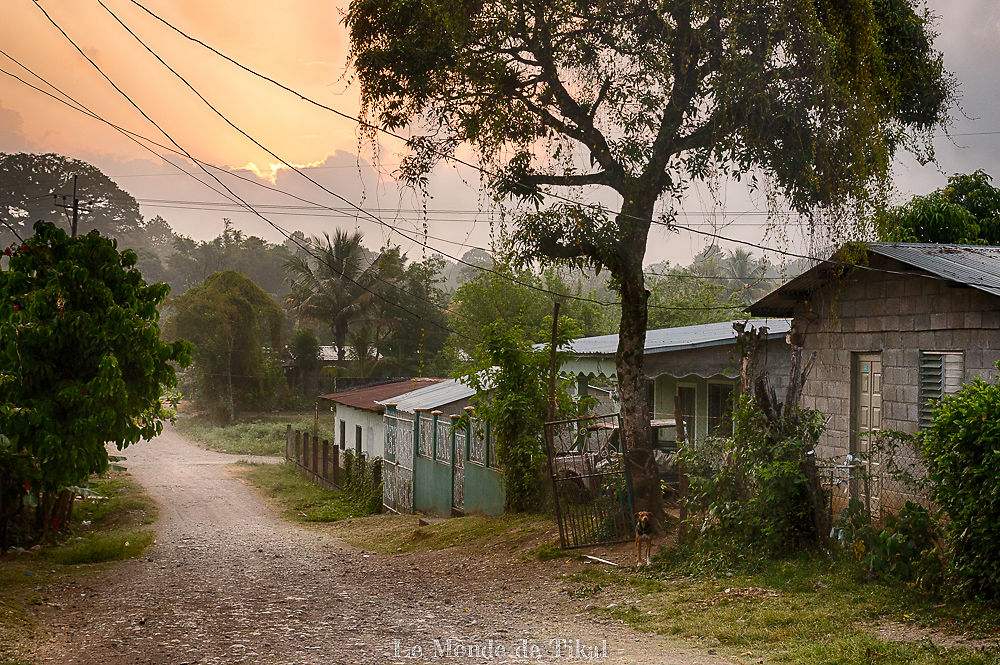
{"x":359,"y":423}
{"x":693,"y":366}
{"x":893,"y":332}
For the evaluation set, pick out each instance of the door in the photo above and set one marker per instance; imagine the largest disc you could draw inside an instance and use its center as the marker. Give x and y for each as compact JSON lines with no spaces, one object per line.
{"x":687,"y":410}
{"x":866,"y":417}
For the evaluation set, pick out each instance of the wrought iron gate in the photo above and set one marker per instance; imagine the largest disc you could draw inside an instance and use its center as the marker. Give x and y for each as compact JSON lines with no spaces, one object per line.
{"x":397,"y":470}
{"x":590,"y":480}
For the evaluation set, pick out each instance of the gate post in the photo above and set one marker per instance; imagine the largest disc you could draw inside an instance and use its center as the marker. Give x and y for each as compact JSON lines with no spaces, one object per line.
{"x":435,"y":416}
{"x":454,"y":420}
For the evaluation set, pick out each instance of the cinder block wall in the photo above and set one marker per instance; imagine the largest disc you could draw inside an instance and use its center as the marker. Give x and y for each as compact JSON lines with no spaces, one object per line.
{"x":899,"y":315}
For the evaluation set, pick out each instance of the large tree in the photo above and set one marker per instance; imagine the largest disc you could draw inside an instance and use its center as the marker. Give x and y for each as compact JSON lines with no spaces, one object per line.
{"x":32,"y":187}
{"x":81,"y":363}
{"x":236,"y":331}
{"x":642,"y":98}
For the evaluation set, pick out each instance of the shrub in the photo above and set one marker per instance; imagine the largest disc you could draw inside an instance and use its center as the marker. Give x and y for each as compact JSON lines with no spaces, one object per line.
{"x":758,"y":487}
{"x":962,"y":454}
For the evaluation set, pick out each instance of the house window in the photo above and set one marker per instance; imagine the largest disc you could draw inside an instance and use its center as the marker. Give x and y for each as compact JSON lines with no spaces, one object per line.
{"x":357,"y":439}
{"x":941,"y":374}
{"x":343,"y":434}
{"x":720,"y":409}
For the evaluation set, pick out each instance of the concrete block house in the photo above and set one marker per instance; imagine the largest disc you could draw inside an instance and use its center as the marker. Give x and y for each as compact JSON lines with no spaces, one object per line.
{"x":892,"y":334}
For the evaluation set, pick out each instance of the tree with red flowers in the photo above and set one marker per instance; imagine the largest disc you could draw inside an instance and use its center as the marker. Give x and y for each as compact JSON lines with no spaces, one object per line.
{"x":81,"y":364}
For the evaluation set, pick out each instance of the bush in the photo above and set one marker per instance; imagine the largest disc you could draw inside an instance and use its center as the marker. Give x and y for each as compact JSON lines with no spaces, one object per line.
{"x":906,"y":548}
{"x":756,"y":489}
{"x":962,"y":454}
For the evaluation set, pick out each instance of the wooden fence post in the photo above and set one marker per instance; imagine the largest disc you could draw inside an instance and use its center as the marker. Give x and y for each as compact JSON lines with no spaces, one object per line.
{"x":326,"y":459}
{"x":288,"y":442}
{"x":305,"y":450}
{"x":336,"y":465}
{"x":298,"y":446}
{"x":315,"y":454}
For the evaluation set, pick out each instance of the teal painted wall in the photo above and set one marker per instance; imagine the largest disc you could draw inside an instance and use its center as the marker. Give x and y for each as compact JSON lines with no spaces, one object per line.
{"x":484,"y":491}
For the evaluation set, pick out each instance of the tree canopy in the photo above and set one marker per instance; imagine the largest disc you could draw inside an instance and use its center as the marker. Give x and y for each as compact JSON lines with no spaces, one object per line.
{"x":966,"y":211}
{"x":642,"y":98}
{"x":236,"y":329}
{"x":81,"y":361}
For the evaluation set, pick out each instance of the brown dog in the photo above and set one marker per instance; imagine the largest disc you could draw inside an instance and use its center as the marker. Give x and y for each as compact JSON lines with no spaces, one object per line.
{"x":643,"y":536}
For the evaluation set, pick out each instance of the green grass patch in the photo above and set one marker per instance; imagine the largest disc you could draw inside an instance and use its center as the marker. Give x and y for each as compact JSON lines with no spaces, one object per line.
{"x":261,"y":435}
{"x":815,"y":609}
{"x":101,"y":530}
{"x":300,"y":499}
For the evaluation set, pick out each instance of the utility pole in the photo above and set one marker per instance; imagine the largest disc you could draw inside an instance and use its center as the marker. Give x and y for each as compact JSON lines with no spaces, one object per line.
{"x":75,"y":207}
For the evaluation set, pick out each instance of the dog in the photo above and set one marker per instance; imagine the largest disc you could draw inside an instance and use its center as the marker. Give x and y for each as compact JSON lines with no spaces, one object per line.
{"x":643,"y":536}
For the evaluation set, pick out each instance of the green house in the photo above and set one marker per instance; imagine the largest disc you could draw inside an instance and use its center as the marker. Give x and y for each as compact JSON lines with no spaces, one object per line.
{"x":690,"y":367}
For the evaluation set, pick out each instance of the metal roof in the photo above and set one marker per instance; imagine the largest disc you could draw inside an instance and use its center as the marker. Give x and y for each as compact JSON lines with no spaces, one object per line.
{"x":373,"y":398}
{"x":976,"y":266}
{"x":431,"y":397}
{"x":676,"y":339}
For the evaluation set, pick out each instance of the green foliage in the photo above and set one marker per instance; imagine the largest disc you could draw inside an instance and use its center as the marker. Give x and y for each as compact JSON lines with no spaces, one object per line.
{"x":962,"y":454}
{"x":906,"y":547}
{"x":508,"y":296}
{"x":334,"y":283}
{"x":304,"y":349}
{"x":511,"y":379}
{"x":966,"y":211}
{"x":81,"y":361}
{"x":754,"y":492}
{"x":230,"y":321}
{"x":97,"y":548}
{"x":304,"y":501}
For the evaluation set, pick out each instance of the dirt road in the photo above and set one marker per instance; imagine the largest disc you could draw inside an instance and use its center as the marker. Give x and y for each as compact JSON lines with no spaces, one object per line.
{"x":229,"y":581}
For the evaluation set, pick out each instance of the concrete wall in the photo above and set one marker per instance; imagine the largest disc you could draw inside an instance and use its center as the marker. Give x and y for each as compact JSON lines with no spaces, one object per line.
{"x":899,"y":315}
{"x":372,"y":429}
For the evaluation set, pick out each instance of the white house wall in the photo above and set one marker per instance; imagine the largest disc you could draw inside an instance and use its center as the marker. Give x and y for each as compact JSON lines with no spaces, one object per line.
{"x":372,"y":430}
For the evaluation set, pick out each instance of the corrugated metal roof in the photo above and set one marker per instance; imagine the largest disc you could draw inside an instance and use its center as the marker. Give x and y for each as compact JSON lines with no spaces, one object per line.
{"x":372,"y":398}
{"x":432,"y":397}
{"x":976,"y":266}
{"x":675,"y":339}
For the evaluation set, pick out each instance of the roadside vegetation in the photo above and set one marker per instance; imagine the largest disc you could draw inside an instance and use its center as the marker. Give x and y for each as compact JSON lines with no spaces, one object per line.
{"x":107,"y":527}
{"x":260,"y":434}
{"x":303,"y":501}
{"x":818,"y":608}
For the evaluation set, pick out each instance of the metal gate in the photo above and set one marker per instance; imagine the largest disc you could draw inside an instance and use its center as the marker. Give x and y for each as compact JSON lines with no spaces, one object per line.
{"x":397,"y":470}
{"x":590,"y":481}
{"x":458,"y":472}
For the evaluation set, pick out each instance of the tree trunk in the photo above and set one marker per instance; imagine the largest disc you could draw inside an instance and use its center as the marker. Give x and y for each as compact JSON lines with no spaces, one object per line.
{"x":629,"y":360}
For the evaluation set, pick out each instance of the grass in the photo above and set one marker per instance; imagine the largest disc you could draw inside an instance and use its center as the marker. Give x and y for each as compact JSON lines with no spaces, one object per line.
{"x":300,"y":499}
{"x":404,"y":533}
{"x":260,"y":435}
{"x":101,"y":531}
{"x":811,"y":609}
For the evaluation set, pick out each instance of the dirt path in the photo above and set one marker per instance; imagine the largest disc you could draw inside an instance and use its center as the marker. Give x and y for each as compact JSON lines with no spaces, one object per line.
{"x":231,"y":582}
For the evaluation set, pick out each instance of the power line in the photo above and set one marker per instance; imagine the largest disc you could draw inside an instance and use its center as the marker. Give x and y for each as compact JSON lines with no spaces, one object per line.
{"x":478,"y":168}
{"x":338,"y":196}
{"x":179,"y":147}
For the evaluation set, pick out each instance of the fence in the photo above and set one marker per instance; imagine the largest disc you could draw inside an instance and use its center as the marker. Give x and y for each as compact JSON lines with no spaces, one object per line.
{"x":322,"y":463}
{"x":433,"y":464}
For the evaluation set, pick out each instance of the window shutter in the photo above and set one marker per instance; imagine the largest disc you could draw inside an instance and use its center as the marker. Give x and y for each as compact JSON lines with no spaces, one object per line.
{"x":940,"y":374}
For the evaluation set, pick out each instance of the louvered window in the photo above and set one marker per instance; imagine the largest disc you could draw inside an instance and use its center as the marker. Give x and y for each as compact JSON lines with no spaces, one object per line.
{"x":940,"y":374}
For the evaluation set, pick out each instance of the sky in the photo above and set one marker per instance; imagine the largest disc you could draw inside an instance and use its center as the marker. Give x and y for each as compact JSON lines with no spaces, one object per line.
{"x":303,"y":44}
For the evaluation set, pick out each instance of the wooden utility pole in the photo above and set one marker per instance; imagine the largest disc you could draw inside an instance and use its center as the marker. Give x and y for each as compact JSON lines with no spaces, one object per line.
{"x":75,"y":207}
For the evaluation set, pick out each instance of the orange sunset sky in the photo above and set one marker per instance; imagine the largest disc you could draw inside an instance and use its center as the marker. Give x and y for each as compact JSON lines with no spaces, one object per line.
{"x":303,"y":44}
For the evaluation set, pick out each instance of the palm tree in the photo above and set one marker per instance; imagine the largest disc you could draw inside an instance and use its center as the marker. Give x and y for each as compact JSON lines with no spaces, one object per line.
{"x":335,"y":281}
{"x":744,"y":272}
